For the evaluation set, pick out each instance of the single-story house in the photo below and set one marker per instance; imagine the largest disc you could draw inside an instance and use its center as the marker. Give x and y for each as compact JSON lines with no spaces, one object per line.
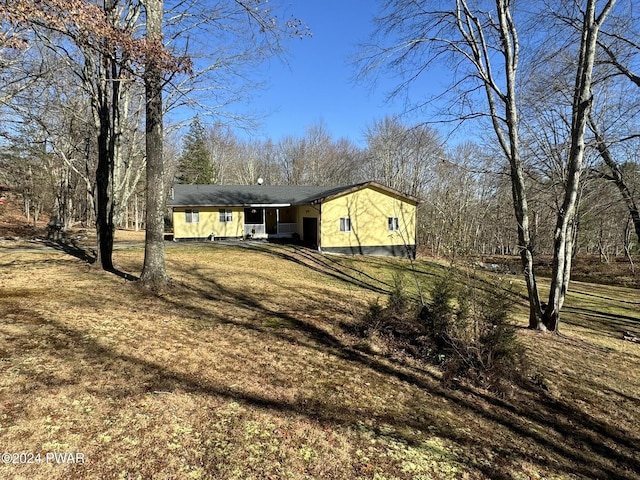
{"x":365,"y":218}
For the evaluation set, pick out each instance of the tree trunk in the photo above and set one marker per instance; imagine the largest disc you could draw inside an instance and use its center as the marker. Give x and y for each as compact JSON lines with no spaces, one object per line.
{"x":104,"y":202}
{"x":526,"y":246}
{"x":154,"y":273}
{"x":627,"y":246}
{"x":27,"y":207}
{"x":136,"y":214}
{"x":582,"y":100}
{"x":107,"y":112}
{"x":511,"y":148}
{"x":561,"y":273}
{"x":36,"y":213}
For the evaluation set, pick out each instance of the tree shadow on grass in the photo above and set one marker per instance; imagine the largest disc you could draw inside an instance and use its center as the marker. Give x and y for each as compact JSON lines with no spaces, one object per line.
{"x":555,"y":425}
{"x":573,"y":433}
{"x":581,"y":291}
{"x":302,"y":256}
{"x":613,"y":323}
{"x":214,"y":290}
{"x":338,"y":267}
{"x":573,"y":442}
{"x":554,"y":433}
{"x":86,"y":255}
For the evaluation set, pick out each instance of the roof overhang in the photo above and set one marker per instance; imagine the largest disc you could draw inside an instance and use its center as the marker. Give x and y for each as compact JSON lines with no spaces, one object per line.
{"x":243,"y":196}
{"x":243,"y":205}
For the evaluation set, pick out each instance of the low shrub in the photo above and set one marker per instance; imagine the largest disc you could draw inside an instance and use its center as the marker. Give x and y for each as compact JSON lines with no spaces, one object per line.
{"x":398,"y":301}
{"x":466,"y":328}
{"x":469,"y":322}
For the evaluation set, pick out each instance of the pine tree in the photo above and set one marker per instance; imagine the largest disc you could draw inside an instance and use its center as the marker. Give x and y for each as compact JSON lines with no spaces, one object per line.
{"x":196,"y":166}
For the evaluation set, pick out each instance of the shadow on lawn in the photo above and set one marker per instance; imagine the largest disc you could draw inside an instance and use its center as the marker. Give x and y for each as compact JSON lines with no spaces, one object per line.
{"x":338,"y":267}
{"x":554,"y":433}
{"x":557,"y":426}
{"x":87,"y":256}
{"x":581,"y":291}
{"x":303,"y":256}
{"x":572,"y":442}
{"x":73,"y":249}
{"x":572,"y":433}
{"x":599,"y":321}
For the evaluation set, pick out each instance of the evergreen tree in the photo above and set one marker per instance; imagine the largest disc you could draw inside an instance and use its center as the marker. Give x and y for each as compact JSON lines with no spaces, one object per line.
{"x":196,"y":165}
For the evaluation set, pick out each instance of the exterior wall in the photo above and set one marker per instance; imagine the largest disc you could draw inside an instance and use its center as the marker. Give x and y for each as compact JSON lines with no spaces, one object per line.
{"x":369,"y":210}
{"x":288,"y":214}
{"x":208,"y":225}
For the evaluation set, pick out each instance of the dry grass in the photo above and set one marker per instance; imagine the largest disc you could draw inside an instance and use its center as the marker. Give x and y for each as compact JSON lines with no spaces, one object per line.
{"x":243,"y":369}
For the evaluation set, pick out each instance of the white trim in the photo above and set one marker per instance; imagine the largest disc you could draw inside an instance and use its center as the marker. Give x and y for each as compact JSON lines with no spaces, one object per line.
{"x":225,"y":215}
{"x":269,"y":205}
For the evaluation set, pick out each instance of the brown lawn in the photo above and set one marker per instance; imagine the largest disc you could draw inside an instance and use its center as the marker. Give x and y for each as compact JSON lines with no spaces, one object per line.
{"x":244,"y":369}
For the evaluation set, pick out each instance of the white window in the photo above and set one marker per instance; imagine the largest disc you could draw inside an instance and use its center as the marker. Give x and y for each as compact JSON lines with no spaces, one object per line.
{"x":225,"y":215}
{"x":192,"y":216}
{"x":345,"y":224}
{"x":393,"y":224}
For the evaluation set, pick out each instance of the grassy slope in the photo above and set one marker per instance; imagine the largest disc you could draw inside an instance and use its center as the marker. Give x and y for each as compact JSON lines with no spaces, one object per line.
{"x":244,"y":370}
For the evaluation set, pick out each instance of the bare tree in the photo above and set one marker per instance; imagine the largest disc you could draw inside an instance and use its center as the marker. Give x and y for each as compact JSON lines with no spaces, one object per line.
{"x":471,"y":34}
{"x":402,"y":156}
{"x":98,"y":45}
{"x":482,"y":39}
{"x":621,"y":52}
{"x":592,"y":20}
{"x":224,"y":147}
{"x":613,"y":173}
{"x":154,"y":273}
{"x":252,"y":18}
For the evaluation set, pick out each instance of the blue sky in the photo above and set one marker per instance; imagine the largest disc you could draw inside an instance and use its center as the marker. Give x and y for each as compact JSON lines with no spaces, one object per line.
{"x":316,"y":84}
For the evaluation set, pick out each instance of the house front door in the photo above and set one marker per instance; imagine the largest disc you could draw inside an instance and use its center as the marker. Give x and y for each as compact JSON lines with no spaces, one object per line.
{"x":310,"y":231}
{"x":271,"y":220}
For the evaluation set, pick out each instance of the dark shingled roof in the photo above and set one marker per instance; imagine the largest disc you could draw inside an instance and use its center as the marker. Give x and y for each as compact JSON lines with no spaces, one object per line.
{"x":247,"y":195}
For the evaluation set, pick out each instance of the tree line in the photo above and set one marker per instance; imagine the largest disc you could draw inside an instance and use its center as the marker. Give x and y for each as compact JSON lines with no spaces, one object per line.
{"x":464,"y":188}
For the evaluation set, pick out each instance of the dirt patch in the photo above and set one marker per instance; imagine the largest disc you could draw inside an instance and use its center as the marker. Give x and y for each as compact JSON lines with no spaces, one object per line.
{"x":14,"y":225}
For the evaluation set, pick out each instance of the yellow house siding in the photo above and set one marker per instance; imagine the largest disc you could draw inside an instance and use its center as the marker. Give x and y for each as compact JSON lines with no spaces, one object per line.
{"x":209,"y":223}
{"x":369,"y":210}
